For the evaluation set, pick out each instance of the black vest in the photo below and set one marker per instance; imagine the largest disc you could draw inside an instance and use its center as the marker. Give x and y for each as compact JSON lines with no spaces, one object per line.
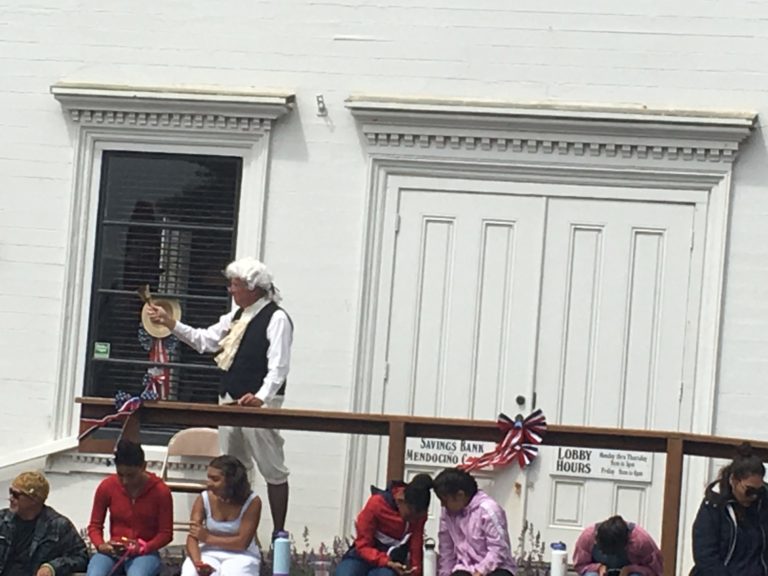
{"x":250,"y":364}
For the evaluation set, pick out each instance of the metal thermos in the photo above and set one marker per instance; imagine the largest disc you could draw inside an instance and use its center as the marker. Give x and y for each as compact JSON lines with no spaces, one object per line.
{"x":430,"y":558}
{"x":558,"y":565}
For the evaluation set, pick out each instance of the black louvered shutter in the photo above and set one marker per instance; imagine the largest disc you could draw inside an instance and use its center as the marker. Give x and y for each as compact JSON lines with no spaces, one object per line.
{"x":167,"y":220}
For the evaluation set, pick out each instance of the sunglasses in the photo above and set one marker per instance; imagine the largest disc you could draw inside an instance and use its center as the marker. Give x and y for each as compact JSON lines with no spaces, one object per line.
{"x":754,"y":492}
{"x":13,"y":493}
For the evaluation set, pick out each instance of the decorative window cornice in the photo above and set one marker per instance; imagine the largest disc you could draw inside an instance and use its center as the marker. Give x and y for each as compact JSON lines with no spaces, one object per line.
{"x":577,"y":130}
{"x":172,"y":108}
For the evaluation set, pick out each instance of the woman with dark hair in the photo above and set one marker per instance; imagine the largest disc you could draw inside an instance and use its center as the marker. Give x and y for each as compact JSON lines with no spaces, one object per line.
{"x":390,"y":531}
{"x":140,"y":517}
{"x":729,"y":533}
{"x":223,"y":524}
{"x":473,"y":536}
{"x":615,"y":547}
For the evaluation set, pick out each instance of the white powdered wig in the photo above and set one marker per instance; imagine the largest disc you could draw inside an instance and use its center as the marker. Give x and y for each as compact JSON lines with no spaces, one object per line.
{"x":254,"y":273}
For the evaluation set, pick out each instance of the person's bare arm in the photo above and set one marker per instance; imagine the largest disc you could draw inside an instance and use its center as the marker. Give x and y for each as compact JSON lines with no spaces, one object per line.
{"x":236,"y":542}
{"x":196,"y":518}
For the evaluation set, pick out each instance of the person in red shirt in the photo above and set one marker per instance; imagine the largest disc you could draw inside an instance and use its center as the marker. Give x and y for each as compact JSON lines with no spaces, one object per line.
{"x":390,"y":531}
{"x":140,"y":517}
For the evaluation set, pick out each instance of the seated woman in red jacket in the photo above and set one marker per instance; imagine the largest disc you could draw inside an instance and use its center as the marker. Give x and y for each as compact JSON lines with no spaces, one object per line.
{"x":140,"y":517}
{"x":390,"y":531}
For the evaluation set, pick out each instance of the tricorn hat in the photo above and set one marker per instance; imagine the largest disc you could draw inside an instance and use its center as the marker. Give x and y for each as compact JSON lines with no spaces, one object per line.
{"x":171,"y":306}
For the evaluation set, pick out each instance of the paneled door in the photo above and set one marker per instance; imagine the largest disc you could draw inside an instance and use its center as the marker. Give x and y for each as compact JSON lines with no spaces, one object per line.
{"x":611,"y":349}
{"x":458,"y":307}
{"x":490,"y":291}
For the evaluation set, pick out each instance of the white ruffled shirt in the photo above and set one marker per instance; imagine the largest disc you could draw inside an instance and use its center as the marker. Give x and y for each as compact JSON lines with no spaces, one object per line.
{"x":279,"y":334}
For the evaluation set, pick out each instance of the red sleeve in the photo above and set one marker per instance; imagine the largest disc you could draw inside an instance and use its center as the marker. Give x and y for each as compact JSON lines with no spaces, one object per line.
{"x":417,"y":547}
{"x":164,"y":504}
{"x":98,"y":514}
{"x":365,"y":541}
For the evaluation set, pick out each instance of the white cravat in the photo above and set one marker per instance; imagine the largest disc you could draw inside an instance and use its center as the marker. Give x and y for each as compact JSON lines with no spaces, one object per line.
{"x":231,"y":342}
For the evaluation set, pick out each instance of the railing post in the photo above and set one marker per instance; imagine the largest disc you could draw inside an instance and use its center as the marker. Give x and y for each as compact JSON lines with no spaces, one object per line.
{"x":132,"y":427}
{"x":396,"y":454}
{"x":670,"y":524}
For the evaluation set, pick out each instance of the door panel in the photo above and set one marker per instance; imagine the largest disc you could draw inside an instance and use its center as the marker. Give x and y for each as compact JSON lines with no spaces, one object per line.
{"x":611,"y":346}
{"x":463,"y":305}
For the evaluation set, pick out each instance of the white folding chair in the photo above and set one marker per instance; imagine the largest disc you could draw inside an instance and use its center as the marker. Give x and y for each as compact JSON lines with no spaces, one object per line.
{"x":192,"y":442}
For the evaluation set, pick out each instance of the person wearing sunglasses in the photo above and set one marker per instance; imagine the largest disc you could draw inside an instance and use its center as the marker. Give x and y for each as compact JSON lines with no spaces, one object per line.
{"x":729,"y":533}
{"x":34,"y":538}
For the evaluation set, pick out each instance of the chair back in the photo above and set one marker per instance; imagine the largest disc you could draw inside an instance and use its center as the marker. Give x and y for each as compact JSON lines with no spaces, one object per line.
{"x":193,"y":442}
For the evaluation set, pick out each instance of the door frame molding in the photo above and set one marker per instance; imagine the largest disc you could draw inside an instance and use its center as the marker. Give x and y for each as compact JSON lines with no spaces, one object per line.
{"x":659,"y":155}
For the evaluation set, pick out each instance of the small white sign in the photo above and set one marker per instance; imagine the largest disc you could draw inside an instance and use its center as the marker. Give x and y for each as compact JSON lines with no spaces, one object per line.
{"x":604,"y":464}
{"x":443,"y":453}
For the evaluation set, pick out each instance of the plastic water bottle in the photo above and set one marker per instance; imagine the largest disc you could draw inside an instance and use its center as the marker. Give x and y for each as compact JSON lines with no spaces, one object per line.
{"x":558,"y":564}
{"x":281,"y":555}
{"x":430,"y":558}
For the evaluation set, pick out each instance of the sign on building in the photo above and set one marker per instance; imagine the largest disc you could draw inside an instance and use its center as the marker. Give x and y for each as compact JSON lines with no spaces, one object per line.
{"x":443,"y":453}
{"x":603,"y":464}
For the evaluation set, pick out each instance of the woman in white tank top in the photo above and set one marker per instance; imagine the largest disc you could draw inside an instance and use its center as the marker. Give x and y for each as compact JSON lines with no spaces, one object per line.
{"x":223,"y":524}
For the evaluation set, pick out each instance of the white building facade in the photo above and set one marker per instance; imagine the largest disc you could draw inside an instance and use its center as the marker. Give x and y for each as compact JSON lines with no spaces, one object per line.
{"x":469,"y":208}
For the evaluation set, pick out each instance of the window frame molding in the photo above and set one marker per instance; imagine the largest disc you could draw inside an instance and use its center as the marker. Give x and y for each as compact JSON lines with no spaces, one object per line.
{"x":673,"y":152}
{"x":148,"y":119}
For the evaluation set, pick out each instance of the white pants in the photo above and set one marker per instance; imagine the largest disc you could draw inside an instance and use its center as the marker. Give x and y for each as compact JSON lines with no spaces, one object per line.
{"x":261,"y":445}
{"x":225,"y":563}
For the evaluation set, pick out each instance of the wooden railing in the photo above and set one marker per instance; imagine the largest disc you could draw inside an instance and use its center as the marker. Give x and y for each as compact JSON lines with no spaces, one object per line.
{"x":676,"y":445}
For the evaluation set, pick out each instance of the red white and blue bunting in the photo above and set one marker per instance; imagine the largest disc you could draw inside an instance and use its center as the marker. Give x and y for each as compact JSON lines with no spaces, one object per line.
{"x":520,"y":444}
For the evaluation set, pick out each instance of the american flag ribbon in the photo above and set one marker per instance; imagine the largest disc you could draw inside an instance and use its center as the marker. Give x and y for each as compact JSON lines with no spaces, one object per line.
{"x":158,"y":379}
{"x":522,"y":437}
{"x":125,"y":404}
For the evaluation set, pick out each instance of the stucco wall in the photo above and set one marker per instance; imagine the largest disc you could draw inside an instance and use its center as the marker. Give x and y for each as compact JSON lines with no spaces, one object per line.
{"x":687,"y":54}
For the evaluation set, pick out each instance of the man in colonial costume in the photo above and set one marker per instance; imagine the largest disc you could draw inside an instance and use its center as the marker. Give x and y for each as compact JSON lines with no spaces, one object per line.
{"x":254,"y":349}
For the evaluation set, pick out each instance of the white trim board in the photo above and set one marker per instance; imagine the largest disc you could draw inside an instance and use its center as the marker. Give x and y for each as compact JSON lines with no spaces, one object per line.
{"x":666,"y":155}
{"x":12,"y":459}
{"x":150,"y":119}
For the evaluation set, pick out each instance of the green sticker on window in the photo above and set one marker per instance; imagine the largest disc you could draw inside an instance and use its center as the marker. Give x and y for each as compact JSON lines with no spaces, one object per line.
{"x":101,"y":349}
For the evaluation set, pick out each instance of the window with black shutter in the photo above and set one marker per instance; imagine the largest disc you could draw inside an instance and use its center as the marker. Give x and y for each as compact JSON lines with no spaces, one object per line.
{"x":167,"y":220}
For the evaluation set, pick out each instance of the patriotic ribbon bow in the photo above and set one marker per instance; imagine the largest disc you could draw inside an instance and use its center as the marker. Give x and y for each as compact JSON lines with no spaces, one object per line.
{"x":157,"y":377}
{"x":522,"y":437}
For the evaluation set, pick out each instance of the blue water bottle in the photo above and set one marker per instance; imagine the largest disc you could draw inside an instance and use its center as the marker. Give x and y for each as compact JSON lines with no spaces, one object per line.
{"x":281,"y":555}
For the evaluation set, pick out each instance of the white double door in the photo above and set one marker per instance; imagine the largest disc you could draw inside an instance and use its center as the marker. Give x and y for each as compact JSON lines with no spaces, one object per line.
{"x":496,"y":292}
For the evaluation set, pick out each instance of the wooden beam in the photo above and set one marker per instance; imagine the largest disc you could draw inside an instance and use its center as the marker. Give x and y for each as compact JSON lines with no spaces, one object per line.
{"x":396,"y":452}
{"x":673,"y":483}
{"x":93,"y":445}
{"x":132,"y":427}
{"x":196,"y":414}
{"x":397,"y":427}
